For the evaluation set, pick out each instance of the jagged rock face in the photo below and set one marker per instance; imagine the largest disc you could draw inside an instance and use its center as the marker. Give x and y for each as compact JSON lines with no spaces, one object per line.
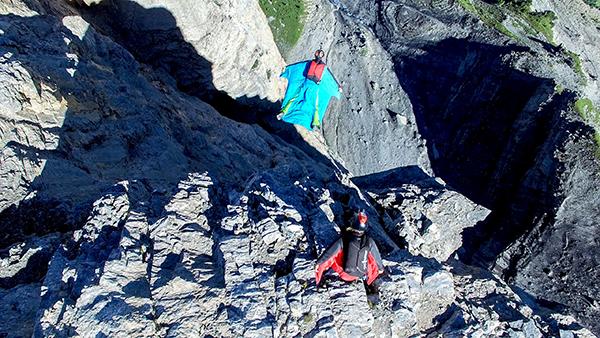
{"x":18,"y":307}
{"x":149,"y":214}
{"x":512,"y":313}
{"x":471,"y":104}
{"x":211,"y":49}
{"x":248,"y":270}
{"x":79,"y":115}
{"x":155,"y":276}
{"x":576,"y":28}
{"x":493,"y":122}
{"x":26,"y":262}
{"x":421,"y":211}
{"x":557,"y":260}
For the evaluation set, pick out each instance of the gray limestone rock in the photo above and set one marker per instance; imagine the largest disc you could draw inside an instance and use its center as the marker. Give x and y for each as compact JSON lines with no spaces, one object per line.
{"x":486,"y":306}
{"x":576,"y":28}
{"x":27,"y":261}
{"x":493,"y":112}
{"x":223,"y":43}
{"x":18,"y":306}
{"x":557,"y":259}
{"x":422,"y":211}
{"x":412,"y":297}
{"x":161,"y":217}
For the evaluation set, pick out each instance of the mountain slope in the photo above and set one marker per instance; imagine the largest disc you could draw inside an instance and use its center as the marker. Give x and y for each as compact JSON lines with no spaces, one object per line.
{"x":144,"y":211}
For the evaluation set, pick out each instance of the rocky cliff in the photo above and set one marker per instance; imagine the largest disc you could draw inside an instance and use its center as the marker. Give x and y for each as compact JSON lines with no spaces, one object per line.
{"x":145,"y":189}
{"x":501,"y":107}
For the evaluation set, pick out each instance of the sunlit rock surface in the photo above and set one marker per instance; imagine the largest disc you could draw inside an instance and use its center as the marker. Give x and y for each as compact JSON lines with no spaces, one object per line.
{"x":131,"y":207}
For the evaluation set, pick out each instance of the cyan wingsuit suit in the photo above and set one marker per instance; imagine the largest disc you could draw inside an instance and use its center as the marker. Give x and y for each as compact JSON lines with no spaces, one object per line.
{"x":305,"y":101}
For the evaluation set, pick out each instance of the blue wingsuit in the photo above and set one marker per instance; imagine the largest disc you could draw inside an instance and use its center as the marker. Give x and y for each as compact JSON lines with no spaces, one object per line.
{"x":305,"y":101}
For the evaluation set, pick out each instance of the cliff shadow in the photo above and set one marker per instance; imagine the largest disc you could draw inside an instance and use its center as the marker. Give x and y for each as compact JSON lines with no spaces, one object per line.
{"x":394,"y":177}
{"x":485,"y":123}
{"x":88,"y":153}
{"x":114,"y":128}
{"x":478,"y":114}
{"x":154,"y":38}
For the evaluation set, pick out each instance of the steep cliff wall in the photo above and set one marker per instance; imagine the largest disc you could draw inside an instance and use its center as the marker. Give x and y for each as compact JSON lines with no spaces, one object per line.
{"x":130,"y":206}
{"x":495,"y":104}
{"x":373,"y":127}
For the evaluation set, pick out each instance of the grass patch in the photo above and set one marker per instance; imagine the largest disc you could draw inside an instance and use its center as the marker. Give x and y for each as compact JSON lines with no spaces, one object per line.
{"x":308,"y":318}
{"x":585,"y":108}
{"x":587,"y":111}
{"x":491,"y":15}
{"x":593,"y":3}
{"x":286,"y":19}
{"x":468,"y":6}
{"x":541,"y":22}
{"x":575,"y":63}
{"x":559,"y":89}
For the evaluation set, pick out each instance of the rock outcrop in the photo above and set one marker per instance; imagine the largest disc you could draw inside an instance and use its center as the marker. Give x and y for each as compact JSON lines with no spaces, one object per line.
{"x":496,"y":115}
{"x":210,"y":50}
{"x":248,"y":271}
{"x":207,"y":48}
{"x":422,"y":211}
{"x":130,"y":206}
{"x":556,"y":260}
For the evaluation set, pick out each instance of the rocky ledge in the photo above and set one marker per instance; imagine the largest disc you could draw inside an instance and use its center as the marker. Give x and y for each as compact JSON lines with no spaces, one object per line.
{"x":130,"y":206}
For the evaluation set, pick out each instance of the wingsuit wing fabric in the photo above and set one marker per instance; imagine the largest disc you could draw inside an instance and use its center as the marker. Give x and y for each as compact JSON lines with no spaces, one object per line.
{"x":305,"y":101}
{"x":333,"y":258}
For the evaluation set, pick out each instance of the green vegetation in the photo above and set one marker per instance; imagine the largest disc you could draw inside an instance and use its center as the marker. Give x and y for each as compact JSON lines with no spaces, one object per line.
{"x":585,"y":108}
{"x":588,"y":112}
{"x":575,"y":63}
{"x":308,"y":318}
{"x":559,"y":89}
{"x":286,"y":19}
{"x":489,"y":14}
{"x":593,"y":3}
{"x":541,"y":22}
{"x":493,"y":14}
{"x":516,"y":5}
{"x":467,"y":5}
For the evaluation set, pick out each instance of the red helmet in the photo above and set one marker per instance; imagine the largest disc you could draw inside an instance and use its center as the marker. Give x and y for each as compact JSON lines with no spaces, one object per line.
{"x":361,"y":226}
{"x":362,"y":217}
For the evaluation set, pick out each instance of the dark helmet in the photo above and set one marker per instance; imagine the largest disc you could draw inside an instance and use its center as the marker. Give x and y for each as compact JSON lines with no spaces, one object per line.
{"x":319,"y":54}
{"x":361,"y":224}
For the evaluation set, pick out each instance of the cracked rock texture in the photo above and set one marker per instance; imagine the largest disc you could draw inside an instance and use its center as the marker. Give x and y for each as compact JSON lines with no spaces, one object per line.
{"x":131,"y":206}
{"x":494,"y":117}
{"x":422,"y":211}
{"x":135,"y":274}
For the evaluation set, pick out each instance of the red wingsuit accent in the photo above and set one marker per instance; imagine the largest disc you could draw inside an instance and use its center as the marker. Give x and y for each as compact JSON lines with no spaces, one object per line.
{"x":372,"y":269}
{"x":315,"y":71}
{"x":336,"y":261}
